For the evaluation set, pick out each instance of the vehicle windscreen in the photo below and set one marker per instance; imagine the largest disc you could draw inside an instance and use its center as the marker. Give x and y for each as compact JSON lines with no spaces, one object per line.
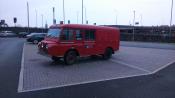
{"x":53,"y":32}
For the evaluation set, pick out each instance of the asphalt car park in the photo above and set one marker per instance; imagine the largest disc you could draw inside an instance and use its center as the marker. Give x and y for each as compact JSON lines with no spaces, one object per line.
{"x":39,"y":72}
{"x":156,"y":85}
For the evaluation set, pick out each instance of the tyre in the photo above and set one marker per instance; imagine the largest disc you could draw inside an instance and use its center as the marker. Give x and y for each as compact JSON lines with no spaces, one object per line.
{"x":35,"y":41}
{"x":108,"y":54}
{"x":55,"y":59}
{"x":70,"y":57}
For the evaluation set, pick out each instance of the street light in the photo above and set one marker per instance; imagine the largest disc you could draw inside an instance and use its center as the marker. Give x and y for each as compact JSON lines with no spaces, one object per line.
{"x":116,"y":16}
{"x":85,"y":15}
{"x":63,"y":12}
{"x":171,"y":15}
{"x":133,"y":26}
{"x":42,"y":21}
{"x":36,"y":21}
{"x":116,"y":19}
{"x":82,"y":11}
{"x":54,"y":15}
{"x":77,"y":16}
{"x":141,"y":19}
{"x":28,"y":16}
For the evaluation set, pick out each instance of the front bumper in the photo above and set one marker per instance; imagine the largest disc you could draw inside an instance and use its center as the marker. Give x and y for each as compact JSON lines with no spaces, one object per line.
{"x":42,"y":50}
{"x":44,"y":53}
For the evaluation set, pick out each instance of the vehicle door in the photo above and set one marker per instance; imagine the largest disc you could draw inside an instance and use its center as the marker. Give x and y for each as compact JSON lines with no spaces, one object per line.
{"x":89,"y":42}
{"x":79,"y":42}
{"x":67,"y":39}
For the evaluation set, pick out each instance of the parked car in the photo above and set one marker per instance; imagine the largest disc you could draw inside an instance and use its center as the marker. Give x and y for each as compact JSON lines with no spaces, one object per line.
{"x":22,"y":34}
{"x":8,"y":34}
{"x":2,"y":34}
{"x":68,"y":41}
{"x":35,"y":37}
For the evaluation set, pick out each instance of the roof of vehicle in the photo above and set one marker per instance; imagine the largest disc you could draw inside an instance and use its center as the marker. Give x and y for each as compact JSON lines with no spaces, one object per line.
{"x":6,"y":32}
{"x":36,"y":33}
{"x":82,"y":26}
{"x":23,"y":33}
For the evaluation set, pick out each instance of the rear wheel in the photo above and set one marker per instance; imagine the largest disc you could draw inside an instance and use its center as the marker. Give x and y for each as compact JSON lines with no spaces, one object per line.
{"x":70,"y":57}
{"x":108,"y":54}
{"x":55,"y":59}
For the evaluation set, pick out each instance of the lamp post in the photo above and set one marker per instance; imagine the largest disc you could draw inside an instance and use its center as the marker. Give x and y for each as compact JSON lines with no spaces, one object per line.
{"x":53,"y":15}
{"x":85,"y":12}
{"x":42,"y":22}
{"x":77,"y":16}
{"x":36,"y":20}
{"x":63,"y":12}
{"x":171,"y":15}
{"x":133,"y":26}
{"x":116,"y":19}
{"x":28,"y":16}
{"x":116,"y":16}
{"x":82,"y":11}
{"x":141,"y":19}
{"x":85,"y":15}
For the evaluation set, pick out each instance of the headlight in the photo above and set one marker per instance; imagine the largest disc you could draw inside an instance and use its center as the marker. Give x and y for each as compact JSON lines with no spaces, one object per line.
{"x":47,"y":47}
{"x":42,"y":46}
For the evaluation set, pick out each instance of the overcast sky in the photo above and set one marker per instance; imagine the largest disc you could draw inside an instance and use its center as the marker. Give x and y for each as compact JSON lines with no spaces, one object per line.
{"x":103,"y":12}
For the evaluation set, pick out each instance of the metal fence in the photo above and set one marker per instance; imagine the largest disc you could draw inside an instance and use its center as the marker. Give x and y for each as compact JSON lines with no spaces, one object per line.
{"x":147,"y":34}
{"x":23,"y":29}
{"x":148,"y":37}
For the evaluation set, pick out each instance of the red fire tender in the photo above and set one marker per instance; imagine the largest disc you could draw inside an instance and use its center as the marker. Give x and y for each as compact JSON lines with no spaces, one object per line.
{"x":69,"y":41}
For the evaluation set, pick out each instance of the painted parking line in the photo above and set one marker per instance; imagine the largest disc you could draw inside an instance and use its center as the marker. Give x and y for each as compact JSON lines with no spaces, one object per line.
{"x":82,"y":83}
{"x":24,"y":66}
{"x":163,"y":67}
{"x":129,"y":65}
{"x":21,"y":76}
{"x":149,"y":72}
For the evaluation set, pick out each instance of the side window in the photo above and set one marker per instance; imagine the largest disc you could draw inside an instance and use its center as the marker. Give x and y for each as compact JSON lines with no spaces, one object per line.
{"x":67,"y":34}
{"x":37,"y":35}
{"x":89,"y":34}
{"x":40,"y":35}
{"x":78,"y":35}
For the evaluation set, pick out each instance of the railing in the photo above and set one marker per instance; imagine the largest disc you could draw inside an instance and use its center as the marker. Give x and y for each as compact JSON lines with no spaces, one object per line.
{"x":148,"y":37}
{"x":23,"y":29}
{"x":145,"y":34}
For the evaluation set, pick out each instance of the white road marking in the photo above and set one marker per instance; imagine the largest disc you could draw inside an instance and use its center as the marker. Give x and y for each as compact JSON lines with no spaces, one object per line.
{"x":21,"y":77}
{"x":129,"y":65}
{"x":162,"y":67}
{"x":80,"y":83}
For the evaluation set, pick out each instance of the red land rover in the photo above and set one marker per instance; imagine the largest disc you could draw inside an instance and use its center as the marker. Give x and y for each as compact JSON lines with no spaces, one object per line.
{"x":69,"y":41}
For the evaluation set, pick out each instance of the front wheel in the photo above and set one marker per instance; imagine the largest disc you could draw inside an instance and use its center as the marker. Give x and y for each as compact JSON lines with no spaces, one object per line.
{"x":70,"y":57}
{"x":108,"y":54}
